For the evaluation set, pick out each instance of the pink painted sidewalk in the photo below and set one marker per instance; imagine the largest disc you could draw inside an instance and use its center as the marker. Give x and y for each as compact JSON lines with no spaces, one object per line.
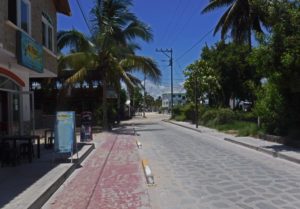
{"x":112,"y":177}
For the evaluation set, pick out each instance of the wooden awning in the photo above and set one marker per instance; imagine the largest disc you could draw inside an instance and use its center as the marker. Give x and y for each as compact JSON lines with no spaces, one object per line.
{"x":62,"y":6}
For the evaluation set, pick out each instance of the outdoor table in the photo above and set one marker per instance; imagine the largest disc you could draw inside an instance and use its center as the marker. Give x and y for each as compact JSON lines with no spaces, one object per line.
{"x":27,"y":138}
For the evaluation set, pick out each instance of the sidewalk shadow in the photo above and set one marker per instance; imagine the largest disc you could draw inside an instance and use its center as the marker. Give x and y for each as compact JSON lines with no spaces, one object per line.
{"x":280,"y":148}
{"x":16,"y":180}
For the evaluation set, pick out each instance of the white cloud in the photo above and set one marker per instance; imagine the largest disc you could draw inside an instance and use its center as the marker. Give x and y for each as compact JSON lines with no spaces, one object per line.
{"x":157,"y":90}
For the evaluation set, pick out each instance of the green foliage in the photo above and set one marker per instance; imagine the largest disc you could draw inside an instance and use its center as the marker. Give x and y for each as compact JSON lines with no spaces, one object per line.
{"x":243,"y":128}
{"x":240,"y":17}
{"x":138,"y":98}
{"x":235,"y":76}
{"x":112,"y":113}
{"x":269,"y":108}
{"x":209,"y":115}
{"x":223,"y":119}
{"x":245,"y":116}
{"x":278,"y":59}
{"x":189,"y":112}
{"x":206,"y":78}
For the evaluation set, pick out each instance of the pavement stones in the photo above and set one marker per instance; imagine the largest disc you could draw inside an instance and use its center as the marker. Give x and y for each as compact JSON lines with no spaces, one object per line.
{"x":112,"y":177}
{"x":201,"y":170}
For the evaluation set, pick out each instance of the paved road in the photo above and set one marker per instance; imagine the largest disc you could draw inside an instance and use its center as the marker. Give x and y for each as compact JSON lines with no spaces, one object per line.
{"x":201,"y":170}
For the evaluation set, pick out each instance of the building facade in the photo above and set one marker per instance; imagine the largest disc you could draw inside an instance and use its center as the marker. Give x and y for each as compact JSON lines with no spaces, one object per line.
{"x":179,"y":99}
{"x":27,"y":50}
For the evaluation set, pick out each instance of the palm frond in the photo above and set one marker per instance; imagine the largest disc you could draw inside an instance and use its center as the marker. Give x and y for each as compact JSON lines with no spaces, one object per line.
{"x":144,"y":64}
{"x":73,"y":39}
{"x":77,"y":77}
{"x":138,"y":29}
{"x":221,"y":22}
{"x":235,"y":11}
{"x":214,"y":4}
{"x":77,"y":60}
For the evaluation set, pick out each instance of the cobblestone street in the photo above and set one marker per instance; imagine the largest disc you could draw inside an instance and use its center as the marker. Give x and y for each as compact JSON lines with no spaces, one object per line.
{"x":201,"y":170}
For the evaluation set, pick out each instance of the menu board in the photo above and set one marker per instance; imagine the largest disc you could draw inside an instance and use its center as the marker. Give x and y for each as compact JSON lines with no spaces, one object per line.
{"x":64,"y":132}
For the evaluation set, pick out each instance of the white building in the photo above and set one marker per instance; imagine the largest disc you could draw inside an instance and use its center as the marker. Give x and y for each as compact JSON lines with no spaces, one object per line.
{"x":179,"y":99}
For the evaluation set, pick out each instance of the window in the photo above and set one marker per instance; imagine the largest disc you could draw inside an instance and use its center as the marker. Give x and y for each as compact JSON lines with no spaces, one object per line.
{"x":25,"y":18}
{"x":12,"y":11}
{"x":19,"y":13}
{"x":47,"y":32}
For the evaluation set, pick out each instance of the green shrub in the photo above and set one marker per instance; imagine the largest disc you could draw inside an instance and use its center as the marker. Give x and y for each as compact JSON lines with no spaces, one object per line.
{"x":269,"y":108}
{"x":245,"y":116}
{"x":244,"y":128}
{"x":180,"y":117}
{"x":189,"y":112}
{"x":177,"y":111}
{"x":209,"y":115}
{"x":249,"y":129}
{"x":111,"y":114}
{"x":224,"y":115}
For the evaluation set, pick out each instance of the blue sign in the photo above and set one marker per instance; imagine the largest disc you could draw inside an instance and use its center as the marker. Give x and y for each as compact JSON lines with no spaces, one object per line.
{"x":30,"y":54}
{"x":64,"y":132}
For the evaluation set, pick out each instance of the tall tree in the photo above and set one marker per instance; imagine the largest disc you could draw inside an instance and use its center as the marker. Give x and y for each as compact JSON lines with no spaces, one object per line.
{"x":106,"y":53}
{"x":241,"y":17}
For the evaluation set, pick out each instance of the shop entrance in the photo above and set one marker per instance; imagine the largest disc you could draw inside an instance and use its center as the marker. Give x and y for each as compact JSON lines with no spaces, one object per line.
{"x":3,"y":113}
{"x":12,"y":108}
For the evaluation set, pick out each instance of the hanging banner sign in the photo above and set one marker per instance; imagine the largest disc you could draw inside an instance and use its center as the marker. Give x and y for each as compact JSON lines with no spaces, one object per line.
{"x":29,"y":53}
{"x":64,"y":132}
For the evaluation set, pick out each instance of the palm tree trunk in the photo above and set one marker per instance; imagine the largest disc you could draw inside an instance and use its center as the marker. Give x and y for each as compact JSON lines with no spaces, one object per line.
{"x":119,"y":103}
{"x":104,"y":104}
{"x":249,"y":30}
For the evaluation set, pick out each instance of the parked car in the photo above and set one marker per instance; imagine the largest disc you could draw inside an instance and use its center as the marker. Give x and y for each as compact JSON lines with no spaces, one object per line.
{"x":245,"y":105}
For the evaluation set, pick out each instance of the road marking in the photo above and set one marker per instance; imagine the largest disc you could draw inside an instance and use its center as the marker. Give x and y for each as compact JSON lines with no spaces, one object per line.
{"x":139,"y":144}
{"x":148,"y":172}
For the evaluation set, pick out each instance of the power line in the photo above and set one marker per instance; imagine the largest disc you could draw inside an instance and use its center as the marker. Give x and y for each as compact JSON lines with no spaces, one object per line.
{"x":179,"y":17}
{"x":198,"y":42}
{"x":84,"y":17}
{"x":186,"y":23}
{"x":171,"y":21}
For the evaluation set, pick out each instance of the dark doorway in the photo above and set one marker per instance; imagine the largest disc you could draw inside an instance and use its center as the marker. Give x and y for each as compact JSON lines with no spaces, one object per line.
{"x":3,"y":113}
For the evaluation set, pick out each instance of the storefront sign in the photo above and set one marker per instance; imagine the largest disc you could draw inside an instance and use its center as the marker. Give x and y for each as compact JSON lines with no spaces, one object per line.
{"x":64,"y":132}
{"x":29,"y":53}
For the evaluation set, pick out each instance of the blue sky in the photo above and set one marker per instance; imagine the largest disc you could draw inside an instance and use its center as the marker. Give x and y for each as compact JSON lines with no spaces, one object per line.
{"x":176,"y":24}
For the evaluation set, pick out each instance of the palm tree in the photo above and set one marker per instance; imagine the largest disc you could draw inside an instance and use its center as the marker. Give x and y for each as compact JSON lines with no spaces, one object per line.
{"x":241,"y":17}
{"x":109,"y":53}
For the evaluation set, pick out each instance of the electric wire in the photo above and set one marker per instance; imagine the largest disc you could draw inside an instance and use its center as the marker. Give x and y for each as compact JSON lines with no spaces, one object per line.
{"x":171,"y":21}
{"x":186,"y":24}
{"x":179,"y":18}
{"x":84,"y":17}
{"x":198,"y":42}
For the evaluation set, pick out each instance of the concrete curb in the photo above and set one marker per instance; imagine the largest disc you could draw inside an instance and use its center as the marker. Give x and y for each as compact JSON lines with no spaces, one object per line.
{"x":43,"y":197}
{"x":169,"y":121}
{"x":139,"y":144}
{"x":148,"y":172}
{"x":263,"y":150}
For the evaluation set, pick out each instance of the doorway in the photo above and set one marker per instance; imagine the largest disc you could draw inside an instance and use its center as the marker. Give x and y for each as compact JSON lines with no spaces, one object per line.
{"x":3,"y":113}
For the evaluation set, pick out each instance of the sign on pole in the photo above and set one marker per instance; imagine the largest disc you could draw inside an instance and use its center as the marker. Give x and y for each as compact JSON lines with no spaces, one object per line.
{"x":65,"y":137}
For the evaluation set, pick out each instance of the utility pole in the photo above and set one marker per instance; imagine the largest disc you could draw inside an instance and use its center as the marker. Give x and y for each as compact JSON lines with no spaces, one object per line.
{"x":196,"y":102}
{"x":144,"y":101}
{"x":165,"y":51}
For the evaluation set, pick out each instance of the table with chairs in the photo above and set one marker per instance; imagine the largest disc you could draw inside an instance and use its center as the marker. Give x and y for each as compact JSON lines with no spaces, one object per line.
{"x":13,"y":148}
